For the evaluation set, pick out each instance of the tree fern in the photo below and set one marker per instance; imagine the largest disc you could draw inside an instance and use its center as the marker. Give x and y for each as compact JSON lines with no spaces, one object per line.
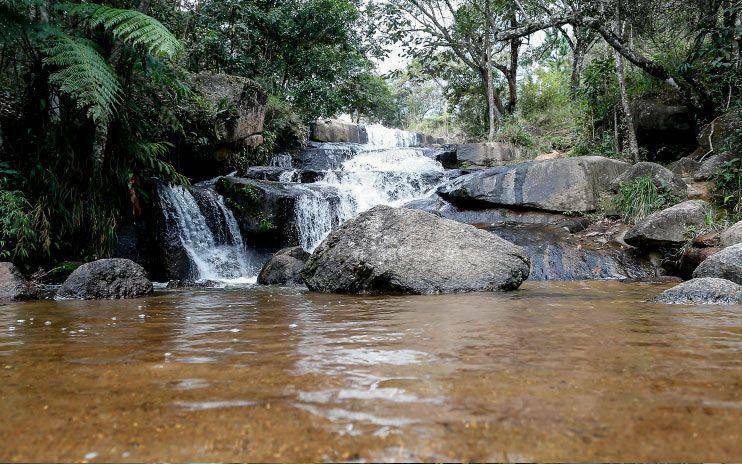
{"x":130,"y":26}
{"x":149,"y":155}
{"x":83,"y":74}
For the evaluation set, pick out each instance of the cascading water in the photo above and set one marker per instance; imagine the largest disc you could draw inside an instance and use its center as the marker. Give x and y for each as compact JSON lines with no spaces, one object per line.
{"x":218,"y":254}
{"x":385,"y":171}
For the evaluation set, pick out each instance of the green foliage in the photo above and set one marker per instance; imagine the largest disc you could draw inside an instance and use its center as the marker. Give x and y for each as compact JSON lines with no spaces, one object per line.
{"x":639,"y":198}
{"x":18,"y":237}
{"x":130,"y":26}
{"x":727,"y":186}
{"x":83,"y":74}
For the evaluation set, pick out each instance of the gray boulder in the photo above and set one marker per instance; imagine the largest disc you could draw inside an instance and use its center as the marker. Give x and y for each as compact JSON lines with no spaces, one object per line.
{"x":726,"y":264}
{"x":558,"y":185}
{"x":284,"y":268}
{"x":670,"y":226}
{"x":685,"y":167}
{"x":702,"y":291}
{"x":711,"y":164}
{"x":732,"y":235}
{"x":13,"y":286}
{"x":485,"y":154}
{"x":334,"y":130}
{"x":401,"y":251}
{"x":106,"y":279}
{"x":662,"y":178}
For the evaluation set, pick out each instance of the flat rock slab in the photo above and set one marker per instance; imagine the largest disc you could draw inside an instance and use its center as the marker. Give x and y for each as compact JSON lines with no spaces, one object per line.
{"x":401,"y":251}
{"x":559,"y":185}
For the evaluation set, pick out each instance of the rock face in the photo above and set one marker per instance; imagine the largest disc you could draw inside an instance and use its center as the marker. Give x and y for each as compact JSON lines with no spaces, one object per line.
{"x":732,"y":235}
{"x":106,"y":279}
{"x":334,"y":130}
{"x":662,"y":178}
{"x":284,"y":268}
{"x":664,"y":129}
{"x":485,"y":154}
{"x":403,"y":251}
{"x":685,"y":167}
{"x":726,"y":264}
{"x":560,"y":185}
{"x":247,"y":97}
{"x":707,"y":290}
{"x":12,"y":284}
{"x":669,"y":226}
{"x":710,"y":165}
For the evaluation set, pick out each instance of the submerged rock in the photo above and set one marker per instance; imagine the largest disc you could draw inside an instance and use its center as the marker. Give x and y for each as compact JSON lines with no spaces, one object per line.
{"x":106,"y":279}
{"x":559,"y":185}
{"x":726,"y":264}
{"x":732,"y":235}
{"x":284,"y":268}
{"x":706,"y":290}
{"x":403,"y":251}
{"x":662,"y":178}
{"x":13,"y":286}
{"x":670,"y":226}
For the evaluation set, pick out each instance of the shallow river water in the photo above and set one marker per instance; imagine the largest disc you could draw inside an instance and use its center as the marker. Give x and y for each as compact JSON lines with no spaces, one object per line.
{"x":554,"y":371}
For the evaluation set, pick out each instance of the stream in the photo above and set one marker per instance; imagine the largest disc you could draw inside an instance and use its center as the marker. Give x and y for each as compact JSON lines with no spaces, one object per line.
{"x":554,"y":371}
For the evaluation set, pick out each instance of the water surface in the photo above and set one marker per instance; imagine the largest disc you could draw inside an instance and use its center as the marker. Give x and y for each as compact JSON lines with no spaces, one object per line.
{"x":554,"y":371}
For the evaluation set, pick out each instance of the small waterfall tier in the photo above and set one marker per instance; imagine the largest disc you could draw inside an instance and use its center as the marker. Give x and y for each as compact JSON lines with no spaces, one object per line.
{"x":208,"y":233}
{"x":357,"y":177}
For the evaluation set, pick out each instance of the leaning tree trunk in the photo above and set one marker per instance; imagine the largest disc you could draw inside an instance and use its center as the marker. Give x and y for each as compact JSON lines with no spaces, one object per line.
{"x":494,"y":111}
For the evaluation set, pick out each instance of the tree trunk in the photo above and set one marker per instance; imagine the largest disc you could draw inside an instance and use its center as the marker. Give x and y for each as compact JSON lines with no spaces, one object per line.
{"x":494,"y":111}
{"x":512,"y":75}
{"x":630,"y":145}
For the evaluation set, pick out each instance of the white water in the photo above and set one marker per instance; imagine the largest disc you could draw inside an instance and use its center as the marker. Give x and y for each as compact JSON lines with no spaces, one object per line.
{"x":222,"y":262}
{"x":393,"y":175}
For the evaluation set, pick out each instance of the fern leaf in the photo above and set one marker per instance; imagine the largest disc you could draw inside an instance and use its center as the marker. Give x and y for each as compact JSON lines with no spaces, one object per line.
{"x":83,"y":74}
{"x":130,"y":26}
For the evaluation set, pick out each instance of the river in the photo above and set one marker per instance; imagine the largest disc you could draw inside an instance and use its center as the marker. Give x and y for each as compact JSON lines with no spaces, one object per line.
{"x":554,"y":371}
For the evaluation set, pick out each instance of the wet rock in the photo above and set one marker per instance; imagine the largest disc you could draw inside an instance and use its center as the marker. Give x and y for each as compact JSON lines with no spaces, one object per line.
{"x":711,"y":164}
{"x":685,"y":167}
{"x":445,"y":155}
{"x":403,"y":251}
{"x":690,"y":259}
{"x":324,"y":156}
{"x":334,"y":130}
{"x":106,"y":279}
{"x":278,"y":174}
{"x":662,"y":178}
{"x":707,"y":290}
{"x":186,"y":283}
{"x":485,"y":154}
{"x":670,"y":226}
{"x":732,"y":235}
{"x":592,"y":254}
{"x":13,"y":286}
{"x":560,"y":185}
{"x":726,"y":264}
{"x":284,"y":268}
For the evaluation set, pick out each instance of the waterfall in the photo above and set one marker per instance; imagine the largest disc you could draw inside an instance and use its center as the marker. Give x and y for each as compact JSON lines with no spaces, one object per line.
{"x":373,"y":176}
{"x":217,"y":251}
{"x":385,"y":137}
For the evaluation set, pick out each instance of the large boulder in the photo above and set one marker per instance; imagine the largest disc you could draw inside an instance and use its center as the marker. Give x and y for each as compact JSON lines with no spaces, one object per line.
{"x":726,"y":264}
{"x":334,"y":130}
{"x":13,"y":286}
{"x":559,"y":185}
{"x":403,"y":251}
{"x":685,"y":167}
{"x":245,"y":96}
{"x":732,"y":235}
{"x":702,"y":291}
{"x":486,"y":154}
{"x":665,"y":180}
{"x":711,"y":165}
{"x":284,"y":268}
{"x":106,"y":279}
{"x":669,"y":227}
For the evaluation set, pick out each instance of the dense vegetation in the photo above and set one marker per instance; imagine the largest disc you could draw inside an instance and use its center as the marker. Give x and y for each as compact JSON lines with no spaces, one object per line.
{"x":97,"y":103}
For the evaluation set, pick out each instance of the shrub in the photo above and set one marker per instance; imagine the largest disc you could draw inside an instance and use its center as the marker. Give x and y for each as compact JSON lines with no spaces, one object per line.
{"x":639,"y":198}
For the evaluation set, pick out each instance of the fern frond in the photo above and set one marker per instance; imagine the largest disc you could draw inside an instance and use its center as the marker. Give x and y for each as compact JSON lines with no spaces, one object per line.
{"x":83,"y":74}
{"x":149,"y":155}
{"x":130,"y":26}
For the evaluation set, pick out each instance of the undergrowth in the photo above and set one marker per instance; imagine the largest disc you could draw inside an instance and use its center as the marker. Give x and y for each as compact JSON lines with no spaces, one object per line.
{"x":639,"y":198}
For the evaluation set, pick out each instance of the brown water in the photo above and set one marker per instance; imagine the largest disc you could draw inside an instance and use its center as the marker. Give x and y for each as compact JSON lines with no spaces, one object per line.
{"x":555,"y":371}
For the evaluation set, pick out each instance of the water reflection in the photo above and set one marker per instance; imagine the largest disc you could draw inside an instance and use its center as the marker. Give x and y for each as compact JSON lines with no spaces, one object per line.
{"x":558,"y":371}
